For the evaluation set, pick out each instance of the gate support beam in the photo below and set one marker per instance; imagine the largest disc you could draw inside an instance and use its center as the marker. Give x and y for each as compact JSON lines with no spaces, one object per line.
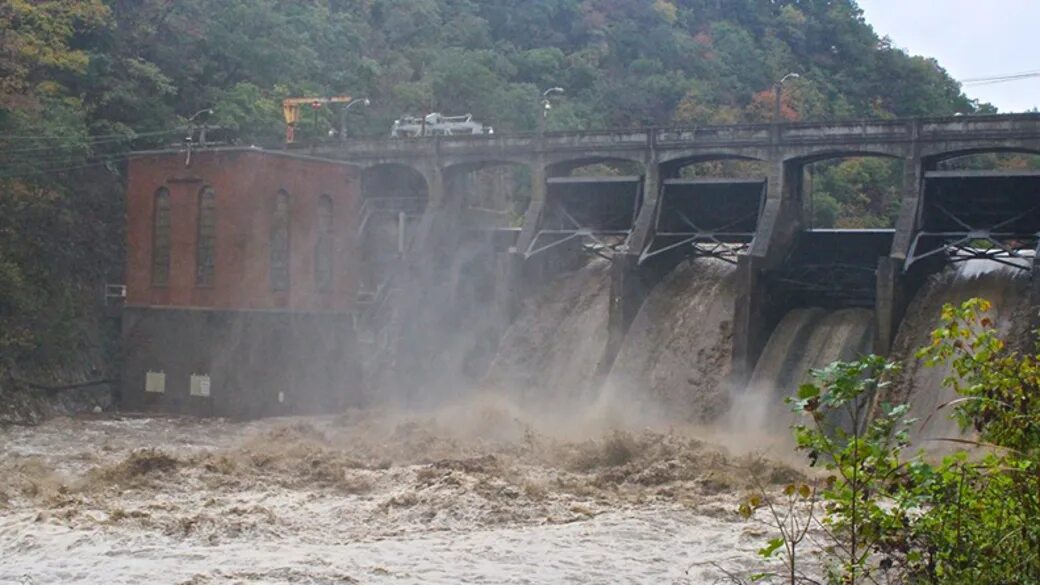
{"x":890,"y":305}
{"x":893,"y":295}
{"x":781,"y":220}
{"x":628,"y":289}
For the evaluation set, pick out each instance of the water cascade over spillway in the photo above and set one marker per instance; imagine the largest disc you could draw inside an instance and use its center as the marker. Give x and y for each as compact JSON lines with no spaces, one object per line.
{"x":675,"y":358}
{"x":552,"y":351}
{"x":1005,"y":287}
{"x":805,"y":339}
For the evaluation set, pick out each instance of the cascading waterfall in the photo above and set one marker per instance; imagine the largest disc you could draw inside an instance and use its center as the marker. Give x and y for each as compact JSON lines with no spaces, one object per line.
{"x":675,"y":358}
{"x":805,"y":339}
{"x":1005,"y":287}
{"x":552,"y":351}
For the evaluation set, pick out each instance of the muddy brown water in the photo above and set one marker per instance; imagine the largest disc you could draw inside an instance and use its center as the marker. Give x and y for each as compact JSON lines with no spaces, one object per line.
{"x":631,"y":488}
{"x":471,"y":495}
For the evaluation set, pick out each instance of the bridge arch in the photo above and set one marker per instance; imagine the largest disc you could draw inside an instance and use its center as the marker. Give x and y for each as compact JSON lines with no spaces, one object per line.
{"x":800,"y":157}
{"x":393,"y":180}
{"x":682,"y":158}
{"x":934,"y":154}
{"x":495,"y":192}
{"x":470,"y":165}
{"x":718,"y":165}
{"x":849,"y":188}
{"x":566,"y":164}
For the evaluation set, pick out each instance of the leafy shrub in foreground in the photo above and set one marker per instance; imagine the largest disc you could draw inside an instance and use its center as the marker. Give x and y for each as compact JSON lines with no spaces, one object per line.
{"x":890,"y":518}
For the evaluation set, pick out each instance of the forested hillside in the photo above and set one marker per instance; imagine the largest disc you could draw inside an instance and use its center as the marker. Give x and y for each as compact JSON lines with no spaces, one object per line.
{"x":84,"y":81}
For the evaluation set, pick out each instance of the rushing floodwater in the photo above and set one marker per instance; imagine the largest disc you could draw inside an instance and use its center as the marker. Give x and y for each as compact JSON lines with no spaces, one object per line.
{"x":1006,"y":288}
{"x":471,"y":496}
{"x":481,"y":493}
{"x":675,"y":358}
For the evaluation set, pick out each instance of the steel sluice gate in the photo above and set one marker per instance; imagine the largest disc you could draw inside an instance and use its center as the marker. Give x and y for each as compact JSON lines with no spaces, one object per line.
{"x":591,"y":208}
{"x":966,"y":215}
{"x":706,"y":217}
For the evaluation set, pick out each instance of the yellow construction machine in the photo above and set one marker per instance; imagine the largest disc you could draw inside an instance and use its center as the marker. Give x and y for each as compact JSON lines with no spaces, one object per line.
{"x":291,"y":110}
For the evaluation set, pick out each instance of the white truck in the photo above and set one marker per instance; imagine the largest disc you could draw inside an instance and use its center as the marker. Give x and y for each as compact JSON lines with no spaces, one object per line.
{"x":438,"y":125}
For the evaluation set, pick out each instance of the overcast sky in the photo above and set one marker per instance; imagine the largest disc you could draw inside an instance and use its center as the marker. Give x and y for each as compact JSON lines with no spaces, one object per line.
{"x":971,"y":39}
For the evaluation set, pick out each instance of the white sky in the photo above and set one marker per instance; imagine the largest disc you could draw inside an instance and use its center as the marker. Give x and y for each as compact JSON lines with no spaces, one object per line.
{"x":970,"y":38}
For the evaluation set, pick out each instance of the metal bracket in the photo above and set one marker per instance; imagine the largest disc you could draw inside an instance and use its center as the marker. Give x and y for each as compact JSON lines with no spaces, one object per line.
{"x":579,"y":231}
{"x":719,"y":243}
{"x":961,"y":246}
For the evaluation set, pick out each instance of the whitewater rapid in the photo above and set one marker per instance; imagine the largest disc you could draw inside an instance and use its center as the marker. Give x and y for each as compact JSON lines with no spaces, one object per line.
{"x":467,"y":497}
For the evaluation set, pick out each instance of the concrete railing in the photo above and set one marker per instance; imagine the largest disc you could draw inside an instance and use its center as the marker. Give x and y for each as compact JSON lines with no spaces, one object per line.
{"x":957,"y":128}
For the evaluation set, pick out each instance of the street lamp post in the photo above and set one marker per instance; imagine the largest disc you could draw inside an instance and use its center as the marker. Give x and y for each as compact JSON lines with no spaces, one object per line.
{"x":546,"y":106}
{"x":202,"y":132}
{"x":779,"y":88}
{"x":343,"y":117}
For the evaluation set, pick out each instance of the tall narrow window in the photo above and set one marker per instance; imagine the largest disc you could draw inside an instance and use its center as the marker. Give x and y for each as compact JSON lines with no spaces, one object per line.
{"x":161,"y":238}
{"x":205,"y":242}
{"x":280,"y":242}
{"x":323,"y":248}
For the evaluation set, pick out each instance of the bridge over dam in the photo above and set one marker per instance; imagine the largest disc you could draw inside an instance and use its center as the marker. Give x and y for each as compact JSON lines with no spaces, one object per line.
{"x":260,"y":281}
{"x":649,"y":221}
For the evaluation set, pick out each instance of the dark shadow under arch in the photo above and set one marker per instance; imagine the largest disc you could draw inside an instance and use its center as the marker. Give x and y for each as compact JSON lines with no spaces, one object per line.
{"x":831,"y":154}
{"x":949,"y":159}
{"x":393,"y":180}
{"x":596,"y":166}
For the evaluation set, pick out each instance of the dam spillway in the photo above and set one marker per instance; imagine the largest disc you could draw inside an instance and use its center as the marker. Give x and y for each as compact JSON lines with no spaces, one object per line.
{"x":439,"y":315}
{"x":678,"y":354}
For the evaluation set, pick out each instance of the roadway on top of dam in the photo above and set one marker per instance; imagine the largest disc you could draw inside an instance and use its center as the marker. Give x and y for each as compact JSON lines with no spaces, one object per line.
{"x":913,"y":138}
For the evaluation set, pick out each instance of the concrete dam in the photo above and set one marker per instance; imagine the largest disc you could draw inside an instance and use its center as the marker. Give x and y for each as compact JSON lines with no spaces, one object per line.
{"x":570,"y":269}
{"x":687,"y":294}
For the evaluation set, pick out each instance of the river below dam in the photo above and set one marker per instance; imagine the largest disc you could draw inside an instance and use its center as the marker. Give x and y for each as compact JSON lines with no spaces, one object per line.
{"x":472,"y":495}
{"x":557,"y":477}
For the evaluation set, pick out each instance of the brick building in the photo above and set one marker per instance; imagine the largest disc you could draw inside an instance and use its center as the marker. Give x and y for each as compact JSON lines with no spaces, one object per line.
{"x":241,"y":276}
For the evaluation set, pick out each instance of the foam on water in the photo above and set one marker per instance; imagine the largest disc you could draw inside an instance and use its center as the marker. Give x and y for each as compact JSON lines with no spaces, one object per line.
{"x":466,"y":495}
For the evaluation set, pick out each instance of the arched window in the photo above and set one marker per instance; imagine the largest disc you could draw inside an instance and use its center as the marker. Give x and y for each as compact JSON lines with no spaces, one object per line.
{"x":323,"y":248}
{"x":161,"y":238}
{"x":205,"y":242}
{"x":280,"y":242}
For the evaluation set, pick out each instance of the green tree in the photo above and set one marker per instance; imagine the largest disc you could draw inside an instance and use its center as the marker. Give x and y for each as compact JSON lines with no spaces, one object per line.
{"x":971,"y":519}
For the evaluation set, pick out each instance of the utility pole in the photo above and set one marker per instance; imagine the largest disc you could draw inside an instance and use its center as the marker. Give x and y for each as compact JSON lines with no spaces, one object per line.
{"x":191,"y":133}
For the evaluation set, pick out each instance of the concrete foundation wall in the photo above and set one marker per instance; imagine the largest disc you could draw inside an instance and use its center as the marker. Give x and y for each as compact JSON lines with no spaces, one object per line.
{"x":259,"y":363}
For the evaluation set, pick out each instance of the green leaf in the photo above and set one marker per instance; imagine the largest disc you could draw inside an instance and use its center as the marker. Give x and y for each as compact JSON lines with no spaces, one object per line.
{"x":770,"y":549}
{"x":806,"y":391}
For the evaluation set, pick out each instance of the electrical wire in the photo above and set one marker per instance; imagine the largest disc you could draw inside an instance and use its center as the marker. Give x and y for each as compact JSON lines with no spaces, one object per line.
{"x":57,"y":157}
{"x":97,"y":136}
{"x":87,"y":151}
{"x":95,"y":141}
{"x":56,"y":170}
{"x":981,"y":81}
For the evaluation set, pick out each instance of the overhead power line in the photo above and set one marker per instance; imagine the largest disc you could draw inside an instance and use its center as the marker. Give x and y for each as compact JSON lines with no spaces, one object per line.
{"x":56,"y":170}
{"x":979,"y":81}
{"x":94,"y":141}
